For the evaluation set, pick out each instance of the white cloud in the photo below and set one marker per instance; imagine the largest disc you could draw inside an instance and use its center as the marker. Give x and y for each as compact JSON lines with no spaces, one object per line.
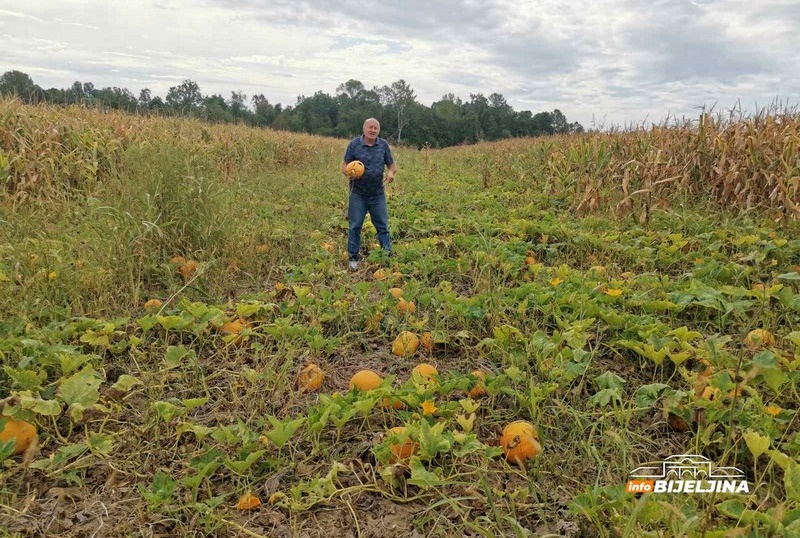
{"x":618,"y":60}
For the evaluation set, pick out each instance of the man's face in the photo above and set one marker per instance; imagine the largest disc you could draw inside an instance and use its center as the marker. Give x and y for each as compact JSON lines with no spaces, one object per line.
{"x":371,"y":129}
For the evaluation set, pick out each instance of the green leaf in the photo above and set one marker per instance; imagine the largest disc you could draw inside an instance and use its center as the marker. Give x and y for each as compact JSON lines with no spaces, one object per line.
{"x":605,"y":396}
{"x":683,"y":334}
{"x":468,"y":446}
{"x":609,"y":380}
{"x":160,"y":491}
{"x":774,"y":378}
{"x":244,"y":310}
{"x":422,"y":477}
{"x":282,"y":431}
{"x":199,"y":431}
{"x":791,"y":481}
{"x":147,"y":322}
{"x":766,"y":359}
{"x":169,"y":322}
{"x":166,"y":410}
{"x":51,"y":408}
{"x":732,"y":508}
{"x":647,"y":395}
{"x":757,"y":443}
{"x":26,"y":379}
{"x":125,"y":383}
{"x":72,"y":361}
{"x":193,"y":403}
{"x":431,"y":440}
{"x":240,"y":466}
{"x":95,"y":339}
{"x":176,"y":354}
{"x":794,"y":276}
{"x":101,"y":443}
{"x":81,"y":388}
{"x":780,"y":459}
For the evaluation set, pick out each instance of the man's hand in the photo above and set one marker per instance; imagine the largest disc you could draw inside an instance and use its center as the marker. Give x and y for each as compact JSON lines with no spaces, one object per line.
{"x":389,"y":178}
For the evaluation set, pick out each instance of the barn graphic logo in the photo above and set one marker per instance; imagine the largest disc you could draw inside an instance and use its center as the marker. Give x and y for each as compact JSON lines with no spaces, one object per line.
{"x":686,"y":473}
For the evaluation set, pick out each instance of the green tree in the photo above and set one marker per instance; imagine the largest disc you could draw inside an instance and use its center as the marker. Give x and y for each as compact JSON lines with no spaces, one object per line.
{"x":19,"y":84}
{"x":398,"y":97}
{"x":185,"y":98}
{"x":238,"y":106}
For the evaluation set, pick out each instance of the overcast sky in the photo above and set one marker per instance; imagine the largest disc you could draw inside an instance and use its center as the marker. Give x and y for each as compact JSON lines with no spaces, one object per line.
{"x":608,"y":61}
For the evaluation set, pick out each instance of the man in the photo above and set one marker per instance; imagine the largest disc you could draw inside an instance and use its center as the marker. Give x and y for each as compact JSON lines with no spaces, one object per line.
{"x":367,"y":194}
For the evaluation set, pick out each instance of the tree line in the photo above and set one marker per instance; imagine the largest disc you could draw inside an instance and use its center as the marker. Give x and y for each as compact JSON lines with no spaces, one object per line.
{"x":447,"y":122}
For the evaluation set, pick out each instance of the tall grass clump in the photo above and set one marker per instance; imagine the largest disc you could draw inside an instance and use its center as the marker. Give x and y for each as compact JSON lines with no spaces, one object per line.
{"x":117,"y":196}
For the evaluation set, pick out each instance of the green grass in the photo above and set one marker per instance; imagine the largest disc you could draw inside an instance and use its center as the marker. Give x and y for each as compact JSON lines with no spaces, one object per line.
{"x":157,"y":423}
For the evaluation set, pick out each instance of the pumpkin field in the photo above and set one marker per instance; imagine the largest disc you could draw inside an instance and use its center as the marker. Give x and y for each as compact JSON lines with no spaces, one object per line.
{"x":183,"y":351}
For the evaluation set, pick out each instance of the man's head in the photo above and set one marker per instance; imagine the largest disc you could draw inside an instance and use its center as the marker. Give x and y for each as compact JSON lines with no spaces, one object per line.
{"x":371,"y":129}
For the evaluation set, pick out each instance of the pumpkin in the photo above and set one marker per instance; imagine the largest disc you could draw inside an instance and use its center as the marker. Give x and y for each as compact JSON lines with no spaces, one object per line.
{"x":248,"y":501}
{"x":23,"y":432}
{"x":188,"y":268}
{"x":426,"y":341}
{"x":393,"y":403}
{"x":310,"y":378}
{"x":425,"y":373}
{"x":397,"y":293}
{"x":405,"y":344}
{"x":401,"y":451}
{"x":373,"y":323}
{"x":152,"y":306}
{"x":759,"y":338}
{"x":478,"y":389}
{"x":380,"y":274}
{"x":520,"y":442}
{"x":234,"y":328}
{"x":354,"y":169}
{"x":365,"y":380}
{"x":406,"y":307}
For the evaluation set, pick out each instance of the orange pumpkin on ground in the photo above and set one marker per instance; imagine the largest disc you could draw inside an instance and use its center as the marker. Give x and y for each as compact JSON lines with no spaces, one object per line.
{"x":426,"y":341}
{"x":401,"y":451}
{"x":424,"y":372}
{"x":188,"y":268}
{"x":405,"y":344}
{"x":759,"y":338}
{"x":520,"y":442}
{"x":365,"y":380}
{"x":152,"y":306}
{"x":23,"y":432}
{"x":248,"y":501}
{"x":394,"y":403}
{"x":406,"y":307}
{"x":310,"y":378}
{"x":478,"y":389}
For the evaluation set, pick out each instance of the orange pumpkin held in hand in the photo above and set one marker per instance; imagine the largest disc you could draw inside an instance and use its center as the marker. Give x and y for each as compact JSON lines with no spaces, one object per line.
{"x":354,"y":169}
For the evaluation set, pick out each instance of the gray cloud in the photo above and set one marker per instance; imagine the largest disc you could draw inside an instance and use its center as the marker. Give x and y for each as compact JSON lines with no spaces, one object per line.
{"x":623,"y":60}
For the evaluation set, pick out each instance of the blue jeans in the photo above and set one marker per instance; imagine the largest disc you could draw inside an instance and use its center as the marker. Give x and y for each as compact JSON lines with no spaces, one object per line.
{"x":379,"y":214}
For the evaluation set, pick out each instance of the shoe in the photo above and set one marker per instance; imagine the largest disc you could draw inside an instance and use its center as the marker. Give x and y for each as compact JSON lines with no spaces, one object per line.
{"x":353,"y":265}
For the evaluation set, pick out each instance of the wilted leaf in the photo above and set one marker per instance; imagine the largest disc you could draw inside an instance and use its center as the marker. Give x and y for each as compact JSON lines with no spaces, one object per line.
{"x":81,"y":388}
{"x":757,"y":443}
